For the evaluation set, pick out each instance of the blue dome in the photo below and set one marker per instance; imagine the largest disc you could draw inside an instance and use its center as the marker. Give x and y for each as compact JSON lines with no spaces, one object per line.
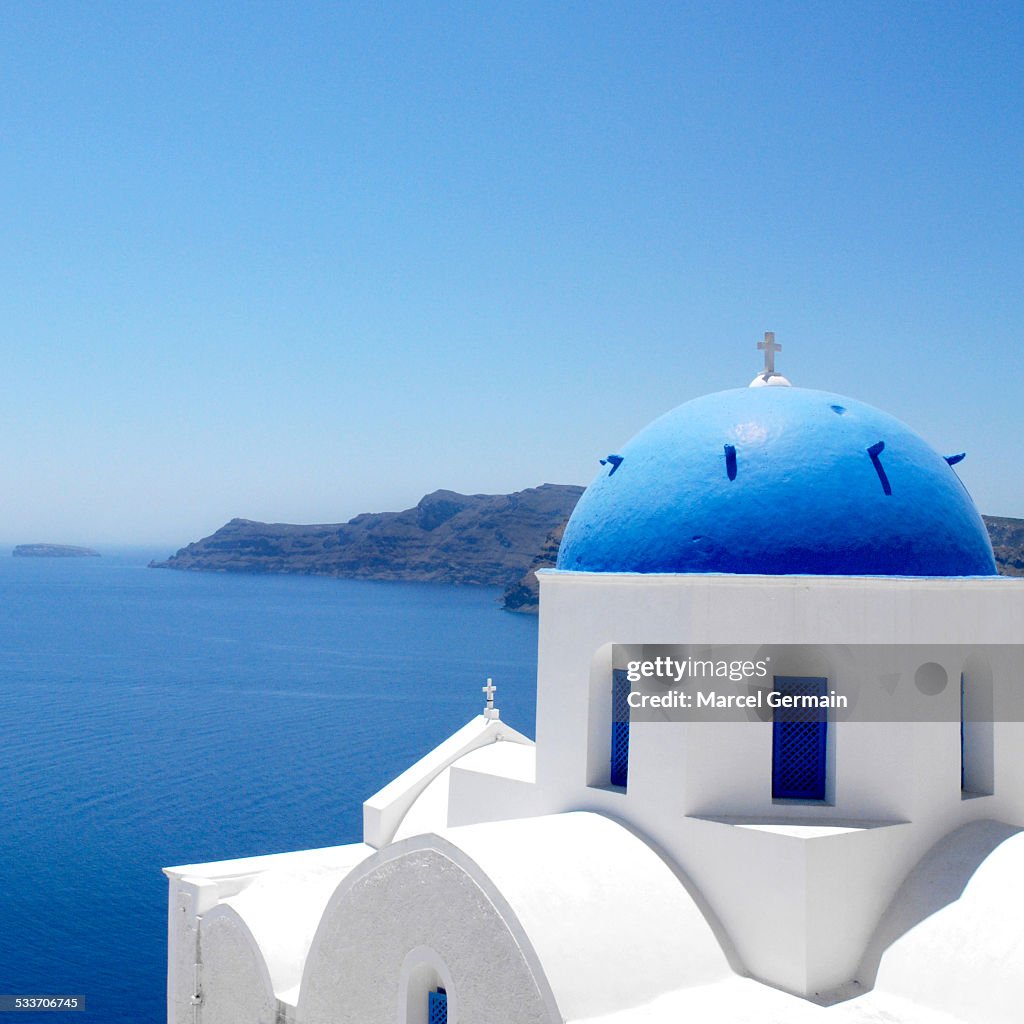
{"x":778,"y":480}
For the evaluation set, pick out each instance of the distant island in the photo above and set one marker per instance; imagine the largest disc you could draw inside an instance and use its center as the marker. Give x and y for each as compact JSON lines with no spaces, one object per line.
{"x":496,"y":539}
{"x":53,"y":551}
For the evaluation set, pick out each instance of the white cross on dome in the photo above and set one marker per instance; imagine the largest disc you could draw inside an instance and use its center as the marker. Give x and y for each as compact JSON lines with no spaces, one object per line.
{"x":768,"y":376}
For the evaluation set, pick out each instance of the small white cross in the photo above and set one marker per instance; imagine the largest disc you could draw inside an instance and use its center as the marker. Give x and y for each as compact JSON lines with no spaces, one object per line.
{"x":491,"y":711}
{"x":490,"y":689}
{"x":769,"y":348}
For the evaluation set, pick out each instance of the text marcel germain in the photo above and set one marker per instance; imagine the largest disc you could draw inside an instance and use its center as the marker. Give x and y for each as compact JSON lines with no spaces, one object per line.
{"x":714,"y":699}
{"x":734,"y":671}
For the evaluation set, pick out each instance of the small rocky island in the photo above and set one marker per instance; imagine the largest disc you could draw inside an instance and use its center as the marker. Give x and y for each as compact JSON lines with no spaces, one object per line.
{"x":53,"y":551}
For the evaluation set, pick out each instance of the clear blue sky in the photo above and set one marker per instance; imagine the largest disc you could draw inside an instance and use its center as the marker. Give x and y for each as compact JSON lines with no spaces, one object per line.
{"x":295,"y":261}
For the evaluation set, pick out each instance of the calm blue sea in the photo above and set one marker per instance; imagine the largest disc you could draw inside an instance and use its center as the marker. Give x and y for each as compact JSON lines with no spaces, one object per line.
{"x":151,"y":718}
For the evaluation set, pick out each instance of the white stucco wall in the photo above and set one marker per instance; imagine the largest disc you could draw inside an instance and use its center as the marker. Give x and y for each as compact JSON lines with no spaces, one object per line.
{"x":896,"y":785}
{"x":953,"y":939}
{"x":493,"y":763}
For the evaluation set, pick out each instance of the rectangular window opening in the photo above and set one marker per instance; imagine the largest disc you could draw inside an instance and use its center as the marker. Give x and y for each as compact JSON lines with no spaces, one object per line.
{"x":977,"y":766}
{"x":620,"y":728}
{"x":800,"y":742}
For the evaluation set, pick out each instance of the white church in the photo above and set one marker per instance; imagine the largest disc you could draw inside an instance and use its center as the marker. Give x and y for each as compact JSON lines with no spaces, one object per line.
{"x":638,"y":864}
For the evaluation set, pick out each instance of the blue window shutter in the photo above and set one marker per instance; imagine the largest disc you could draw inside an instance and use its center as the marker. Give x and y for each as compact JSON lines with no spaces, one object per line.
{"x":437,"y":1008}
{"x":799,"y":743}
{"x":620,"y":727}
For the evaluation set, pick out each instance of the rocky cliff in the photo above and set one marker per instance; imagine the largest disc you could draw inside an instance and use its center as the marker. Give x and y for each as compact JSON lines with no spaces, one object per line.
{"x":447,"y":537}
{"x":1008,"y":543}
{"x":524,"y":594}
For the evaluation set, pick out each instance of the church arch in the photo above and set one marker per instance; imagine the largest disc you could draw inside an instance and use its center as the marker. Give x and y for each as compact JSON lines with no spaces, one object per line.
{"x":416,"y":917}
{"x":233,"y":980}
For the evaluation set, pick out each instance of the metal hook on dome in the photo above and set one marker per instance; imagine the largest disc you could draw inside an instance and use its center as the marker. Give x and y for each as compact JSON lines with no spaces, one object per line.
{"x":614,"y":460}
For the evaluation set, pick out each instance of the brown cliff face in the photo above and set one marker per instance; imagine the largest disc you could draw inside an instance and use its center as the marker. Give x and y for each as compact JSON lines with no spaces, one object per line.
{"x":447,"y":538}
{"x":1007,"y":537}
{"x":524,"y":595}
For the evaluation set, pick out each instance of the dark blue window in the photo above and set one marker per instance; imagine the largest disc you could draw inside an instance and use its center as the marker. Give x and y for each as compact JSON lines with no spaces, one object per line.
{"x":620,"y":727}
{"x":799,"y":742}
{"x":437,"y":1008}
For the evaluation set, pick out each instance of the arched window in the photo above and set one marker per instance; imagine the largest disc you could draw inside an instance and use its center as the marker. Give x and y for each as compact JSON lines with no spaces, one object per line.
{"x":424,"y":987}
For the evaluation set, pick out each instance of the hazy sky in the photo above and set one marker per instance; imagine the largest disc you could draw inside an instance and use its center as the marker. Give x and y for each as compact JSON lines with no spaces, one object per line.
{"x":296,"y":261}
